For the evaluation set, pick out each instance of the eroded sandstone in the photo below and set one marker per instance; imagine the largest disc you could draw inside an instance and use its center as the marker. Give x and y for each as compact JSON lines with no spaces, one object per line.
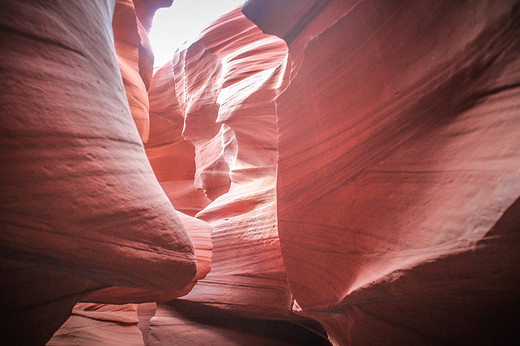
{"x":80,"y":202}
{"x":403,"y":158}
{"x":364,"y":174}
{"x":221,"y":102}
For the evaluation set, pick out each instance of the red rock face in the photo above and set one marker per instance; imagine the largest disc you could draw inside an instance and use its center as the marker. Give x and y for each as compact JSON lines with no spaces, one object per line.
{"x":80,"y":202}
{"x":361,"y":178}
{"x":106,"y":145}
{"x":92,"y":324}
{"x":403,"y":158}
{"x":218,"y":97}
{"x":230,"y":119}
{"x":132,"y":49}
{"x":131,"y":23}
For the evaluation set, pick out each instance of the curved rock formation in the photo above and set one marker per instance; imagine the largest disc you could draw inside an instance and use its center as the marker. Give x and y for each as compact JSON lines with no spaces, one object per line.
{"x":80,"y":202}
{"x":131,"y":23}
{"x":405,"y":152}
{"x":360,"y":180}
{"x":218,"y":97}
{"x":48,"y":131}
{"x":100,"y":324}
{"x":131,"y":43}
{"x":230,"y":119}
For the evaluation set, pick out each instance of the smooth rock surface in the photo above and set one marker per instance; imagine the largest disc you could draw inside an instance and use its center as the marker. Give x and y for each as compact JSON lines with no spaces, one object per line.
{"x":76,"y":152}
{"x":360,"y":180}
{"x":131,"y":23}
{"x":188,"y":323}
{"x":405,"y":152}
{"x":217,"y":96}
{"x":100,"y":324}
{"x":172,"y":157}
{"x":80,"y":201}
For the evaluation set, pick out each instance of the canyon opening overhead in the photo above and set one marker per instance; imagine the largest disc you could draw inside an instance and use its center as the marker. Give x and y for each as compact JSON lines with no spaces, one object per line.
{"x":301,"y":172}
{"x":180,"y":24}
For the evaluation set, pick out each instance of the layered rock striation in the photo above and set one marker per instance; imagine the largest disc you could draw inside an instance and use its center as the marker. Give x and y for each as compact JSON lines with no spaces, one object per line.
{"x":81,"y":208}
{"x":217,"y":99}
{"x":401,"y":175}
{"x":355,"y":176}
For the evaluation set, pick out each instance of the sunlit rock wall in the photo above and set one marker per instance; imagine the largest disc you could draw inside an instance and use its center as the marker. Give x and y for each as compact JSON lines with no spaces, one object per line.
{"x":131,"y":23}
{"x":216,"y":102}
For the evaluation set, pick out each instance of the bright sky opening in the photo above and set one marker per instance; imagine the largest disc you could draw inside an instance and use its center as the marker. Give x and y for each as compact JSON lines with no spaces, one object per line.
{"x":182,"y":23}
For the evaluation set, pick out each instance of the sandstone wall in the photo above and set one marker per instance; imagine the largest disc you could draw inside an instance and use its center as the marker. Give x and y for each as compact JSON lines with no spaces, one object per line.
{"x":81,"y":208}
{"x":350,"y":168}
{"x":400,"y":177}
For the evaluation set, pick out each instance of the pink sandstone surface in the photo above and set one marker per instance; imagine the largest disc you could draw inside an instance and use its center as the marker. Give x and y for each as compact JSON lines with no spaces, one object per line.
{"x":404,"y":157}
{"x":225,"y":86}
{"x":357,"y":183}
{"x":81,"y":207}
{"x":92,"y":324}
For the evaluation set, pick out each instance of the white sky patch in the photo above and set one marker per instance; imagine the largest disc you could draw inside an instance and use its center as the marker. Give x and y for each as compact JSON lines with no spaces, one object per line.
{"x":183,"y":22}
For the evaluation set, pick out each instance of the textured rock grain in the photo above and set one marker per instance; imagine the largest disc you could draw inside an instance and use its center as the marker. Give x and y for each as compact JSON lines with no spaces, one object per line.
{"x":100,"y":324}
{"x":363,"y":175}
{"x":79,"y":197}
{"x":221,"y":93}
{"x":405,"y":152}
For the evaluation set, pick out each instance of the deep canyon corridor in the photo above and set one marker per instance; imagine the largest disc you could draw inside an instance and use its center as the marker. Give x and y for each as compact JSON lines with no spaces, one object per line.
{"x":307,"y":172}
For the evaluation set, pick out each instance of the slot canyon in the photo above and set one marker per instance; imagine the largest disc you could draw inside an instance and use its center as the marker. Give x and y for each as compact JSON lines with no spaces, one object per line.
{"x":307,"y":172}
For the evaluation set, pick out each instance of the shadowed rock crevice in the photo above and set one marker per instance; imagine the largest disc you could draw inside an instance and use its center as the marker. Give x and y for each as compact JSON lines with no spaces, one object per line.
{"x":190,"y":322}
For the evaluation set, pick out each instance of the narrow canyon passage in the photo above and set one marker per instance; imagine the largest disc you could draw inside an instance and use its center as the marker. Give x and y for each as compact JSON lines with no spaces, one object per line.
{"x":306,"y":172}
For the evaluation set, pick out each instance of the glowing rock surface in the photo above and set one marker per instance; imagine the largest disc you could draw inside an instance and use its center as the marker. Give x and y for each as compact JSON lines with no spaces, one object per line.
{"x":221,"y":98}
